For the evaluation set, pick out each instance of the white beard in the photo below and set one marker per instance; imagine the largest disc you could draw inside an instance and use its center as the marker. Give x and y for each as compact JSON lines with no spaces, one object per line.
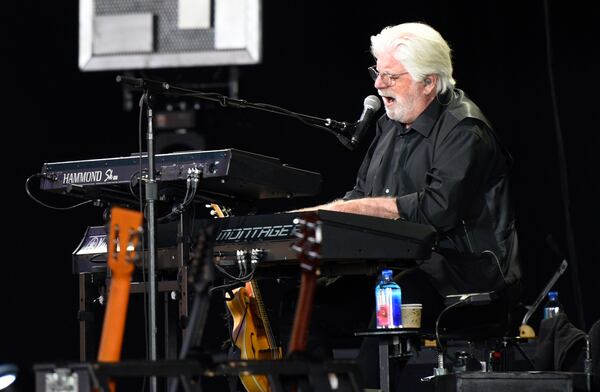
{"x":401,"y":111}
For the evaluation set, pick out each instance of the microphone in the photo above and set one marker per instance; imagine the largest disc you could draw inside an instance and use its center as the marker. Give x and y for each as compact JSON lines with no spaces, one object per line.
{"x":371,"y":105}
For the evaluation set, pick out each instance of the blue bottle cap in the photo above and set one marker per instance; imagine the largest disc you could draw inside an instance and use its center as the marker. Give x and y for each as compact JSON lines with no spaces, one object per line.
{"x":553,"y":295}
{"x":386,"y":273}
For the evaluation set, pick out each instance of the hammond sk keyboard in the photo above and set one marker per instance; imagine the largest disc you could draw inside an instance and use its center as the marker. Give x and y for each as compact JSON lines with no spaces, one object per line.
{"x":347,"y":241}
{"x":227,"y":173}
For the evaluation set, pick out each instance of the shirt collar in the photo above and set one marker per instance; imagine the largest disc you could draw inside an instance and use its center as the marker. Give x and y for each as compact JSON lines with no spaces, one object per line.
{"x":426,"y":120}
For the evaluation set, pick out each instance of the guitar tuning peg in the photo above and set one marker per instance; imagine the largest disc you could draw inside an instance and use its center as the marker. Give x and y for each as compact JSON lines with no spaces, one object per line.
{"x":314,"y":255}
{"x":207,"y":205}
{"x":213,"y":212}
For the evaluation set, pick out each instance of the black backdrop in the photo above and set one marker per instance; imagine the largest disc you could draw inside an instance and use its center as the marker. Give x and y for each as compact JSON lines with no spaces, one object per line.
{"x":315,"y":60}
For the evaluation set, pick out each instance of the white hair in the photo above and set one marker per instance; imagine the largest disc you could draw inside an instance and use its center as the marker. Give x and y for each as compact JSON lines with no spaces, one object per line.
{"x":420,"y":48}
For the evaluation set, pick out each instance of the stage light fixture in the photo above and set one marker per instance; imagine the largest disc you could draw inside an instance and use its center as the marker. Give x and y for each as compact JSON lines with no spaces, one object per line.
{"x":132,"y":34}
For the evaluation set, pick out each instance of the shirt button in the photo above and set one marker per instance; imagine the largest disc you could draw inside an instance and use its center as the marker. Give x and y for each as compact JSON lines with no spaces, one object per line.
{"x":387,"y":191}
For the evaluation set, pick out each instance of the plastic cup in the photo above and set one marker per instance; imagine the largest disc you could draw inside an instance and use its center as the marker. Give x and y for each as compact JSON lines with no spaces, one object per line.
{"x":411,"y":315}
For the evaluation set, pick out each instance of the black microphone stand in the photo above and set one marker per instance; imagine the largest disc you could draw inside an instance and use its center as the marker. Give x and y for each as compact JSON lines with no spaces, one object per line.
{"x":151,"y":195}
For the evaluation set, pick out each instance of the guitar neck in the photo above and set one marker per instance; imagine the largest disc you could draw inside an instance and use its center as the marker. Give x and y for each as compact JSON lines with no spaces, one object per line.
{"x":299,"y":337}
{"x":114,"y":320}
{"x":308,"y":247}
{"x":263,"y":313}
{"x":125,"y":226}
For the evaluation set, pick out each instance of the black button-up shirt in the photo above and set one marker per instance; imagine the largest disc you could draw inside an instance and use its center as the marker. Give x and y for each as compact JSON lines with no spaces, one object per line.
{"x":449,"y":170}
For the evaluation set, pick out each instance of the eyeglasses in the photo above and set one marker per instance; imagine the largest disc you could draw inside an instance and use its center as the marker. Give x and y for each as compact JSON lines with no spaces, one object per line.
{"x":389,"y":79}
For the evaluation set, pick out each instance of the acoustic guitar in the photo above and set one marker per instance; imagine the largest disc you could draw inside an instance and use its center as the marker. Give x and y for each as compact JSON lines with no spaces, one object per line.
{"x":251,"y":330}
{"x":123,"y":238}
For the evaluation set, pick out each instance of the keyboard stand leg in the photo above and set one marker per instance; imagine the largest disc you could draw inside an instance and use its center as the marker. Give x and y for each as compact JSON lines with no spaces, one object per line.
{"x":82,"y":319}
{"x":86,"y":316}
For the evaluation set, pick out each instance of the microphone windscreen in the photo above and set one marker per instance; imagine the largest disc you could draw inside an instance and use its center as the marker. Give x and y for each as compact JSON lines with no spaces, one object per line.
{"x":372,"y":102}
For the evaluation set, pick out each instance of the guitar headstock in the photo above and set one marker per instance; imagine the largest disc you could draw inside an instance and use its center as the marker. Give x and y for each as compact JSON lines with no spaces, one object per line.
{"x":219,"y":211}
{"x":123,"y":238}
{"x":308,"y":244}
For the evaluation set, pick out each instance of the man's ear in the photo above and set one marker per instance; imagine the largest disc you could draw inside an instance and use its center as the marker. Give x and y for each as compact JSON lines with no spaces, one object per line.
{"x":430,"y":83}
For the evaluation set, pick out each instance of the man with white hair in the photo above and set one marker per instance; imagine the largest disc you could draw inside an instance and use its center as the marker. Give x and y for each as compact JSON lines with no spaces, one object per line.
{"x":436,"y":160}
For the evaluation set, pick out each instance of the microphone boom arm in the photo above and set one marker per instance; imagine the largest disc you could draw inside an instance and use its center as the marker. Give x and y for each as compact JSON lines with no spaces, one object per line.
{"x":340,"y":129}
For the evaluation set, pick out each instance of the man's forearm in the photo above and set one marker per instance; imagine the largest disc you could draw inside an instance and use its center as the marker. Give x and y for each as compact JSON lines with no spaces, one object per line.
{"x":384,"y":207}
{"x":329,"y":206}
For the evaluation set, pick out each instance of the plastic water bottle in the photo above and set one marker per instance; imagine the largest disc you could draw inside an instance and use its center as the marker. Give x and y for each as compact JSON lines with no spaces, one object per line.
{"x":388,"y":302}
{"x":552,"y":307}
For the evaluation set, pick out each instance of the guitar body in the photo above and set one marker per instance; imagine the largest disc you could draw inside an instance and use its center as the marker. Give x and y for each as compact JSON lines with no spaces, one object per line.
{"x":251,"y":330}
{"x":251,"y":336}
